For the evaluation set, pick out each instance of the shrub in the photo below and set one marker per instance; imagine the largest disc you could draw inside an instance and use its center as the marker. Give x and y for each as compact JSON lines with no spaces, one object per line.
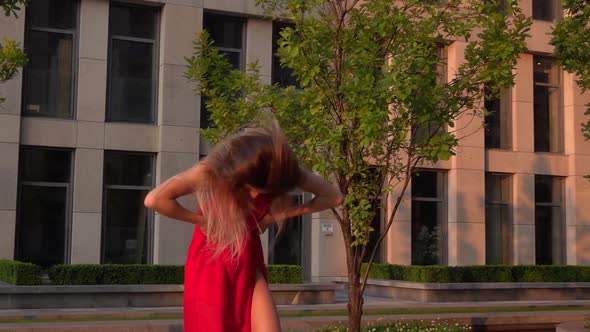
{"x":19,"y":273}
{"x":285,"y":274}
{"x":112,"y":274}
{"x":481,"y":273}
{"x":119,"y":274}
{"x":412,"y":326}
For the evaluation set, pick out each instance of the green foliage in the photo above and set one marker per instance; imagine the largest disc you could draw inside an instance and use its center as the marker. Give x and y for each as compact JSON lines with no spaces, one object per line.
{"x":480,"y":273}
{"x":113,"y":274}
{"x":11,"y":56}
{"x":412,"y":326}
{"x":374,"y":100}
{"x":571,"y":39}
{"x":284,"y":274}
{"x":367,"y":77}
{"x":19,"y":273}
{"x":11,"y":7}
{"x":11,"y":59}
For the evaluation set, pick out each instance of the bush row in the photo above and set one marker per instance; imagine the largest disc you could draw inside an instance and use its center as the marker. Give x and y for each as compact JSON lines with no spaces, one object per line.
{"x":18,"y":273}
{"x":115,"y":274}
{"x":481,"y":273}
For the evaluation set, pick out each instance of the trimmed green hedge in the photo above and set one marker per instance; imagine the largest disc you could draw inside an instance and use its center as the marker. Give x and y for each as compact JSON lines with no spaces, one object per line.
{"x":116,"y":274}
{"x":113,"y":274}
{"x":481,"y":273}
{"x":19,"y":273}
{"x":284,"y":274}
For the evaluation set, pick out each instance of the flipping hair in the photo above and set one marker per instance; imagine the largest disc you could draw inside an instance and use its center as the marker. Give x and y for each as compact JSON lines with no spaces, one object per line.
{"x":259,"y":157}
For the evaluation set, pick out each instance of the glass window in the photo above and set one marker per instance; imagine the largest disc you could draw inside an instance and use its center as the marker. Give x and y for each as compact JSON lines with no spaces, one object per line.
{"x":375,"y":234}
{"x":428,"y":218}
{"x":546,"y":10}
{"x":500,"y":6}
{"x":138,"y":22}
{"x":127,"y":226}
{"x":128,"y":169}
{"x":50,"y":43}
{"x":549,"y":220}
{"x":428,"y":128}
{"x":43,"y":206}
{"x":498,"y":225}
{"x":282,"y":76}
{"x":285,"y":247}
{"x":497,"y":122}
{"x":227,"y":34}
{"x":547,"y":106}
{"x":132,"y":63}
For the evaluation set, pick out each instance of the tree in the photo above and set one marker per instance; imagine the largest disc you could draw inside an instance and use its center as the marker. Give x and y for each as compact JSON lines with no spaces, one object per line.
{"x":371,"y":106}
{"x":11,"y":56}
{"x":571,"y":38}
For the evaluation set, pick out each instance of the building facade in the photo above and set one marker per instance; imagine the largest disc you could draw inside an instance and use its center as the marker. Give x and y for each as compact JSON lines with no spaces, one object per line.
{"x":102,"y":113}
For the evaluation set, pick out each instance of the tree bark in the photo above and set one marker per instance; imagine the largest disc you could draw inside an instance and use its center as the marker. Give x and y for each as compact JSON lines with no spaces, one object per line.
{"x":355,"y":301}
{"x":355,"y":298}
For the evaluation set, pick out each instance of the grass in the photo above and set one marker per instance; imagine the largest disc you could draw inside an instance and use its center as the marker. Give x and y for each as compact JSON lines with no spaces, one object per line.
{"x":435,"y":311}
{"x":89,"y":319}
{"x":432,"y":326}
{"x":318,"y":314}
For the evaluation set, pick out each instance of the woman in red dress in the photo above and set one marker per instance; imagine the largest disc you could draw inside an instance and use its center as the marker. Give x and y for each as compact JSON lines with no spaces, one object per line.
{"x":239,"y":187}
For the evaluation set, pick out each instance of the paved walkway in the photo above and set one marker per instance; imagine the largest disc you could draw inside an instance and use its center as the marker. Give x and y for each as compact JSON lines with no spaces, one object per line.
{"x":371,"y":303}
{"x":158,"y":319}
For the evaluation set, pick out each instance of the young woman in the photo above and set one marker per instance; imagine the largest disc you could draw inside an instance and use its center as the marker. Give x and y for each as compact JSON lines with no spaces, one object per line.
{"x":226,"y":286}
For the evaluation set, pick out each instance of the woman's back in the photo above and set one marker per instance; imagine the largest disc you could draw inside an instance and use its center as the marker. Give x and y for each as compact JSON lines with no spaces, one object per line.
{"x":218,"y":289}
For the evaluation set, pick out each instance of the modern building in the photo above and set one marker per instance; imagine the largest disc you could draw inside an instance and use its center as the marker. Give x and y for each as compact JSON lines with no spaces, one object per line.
{"x":102,"y":113}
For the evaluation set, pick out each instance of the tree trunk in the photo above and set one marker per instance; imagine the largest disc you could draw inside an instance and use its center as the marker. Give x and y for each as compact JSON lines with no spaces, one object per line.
{"x":355,"y":300}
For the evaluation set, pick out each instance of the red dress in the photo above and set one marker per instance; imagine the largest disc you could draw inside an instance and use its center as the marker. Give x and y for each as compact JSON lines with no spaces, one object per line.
{"x":218,"y":292}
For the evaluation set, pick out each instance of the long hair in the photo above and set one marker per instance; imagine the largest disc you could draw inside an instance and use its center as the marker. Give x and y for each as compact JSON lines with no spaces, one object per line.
{"x":259,"y":157}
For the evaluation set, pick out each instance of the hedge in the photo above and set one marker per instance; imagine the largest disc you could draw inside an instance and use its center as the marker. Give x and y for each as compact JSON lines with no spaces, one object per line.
{"x":285,"y":274}
{"x":481,"y":273}
{"x":19,"y":273}
{"x":112,"y":274}
{"x":116,"y":274}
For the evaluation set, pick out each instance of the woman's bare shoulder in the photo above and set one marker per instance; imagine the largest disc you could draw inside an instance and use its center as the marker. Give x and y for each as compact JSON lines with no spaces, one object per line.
{"x":196,"y":175}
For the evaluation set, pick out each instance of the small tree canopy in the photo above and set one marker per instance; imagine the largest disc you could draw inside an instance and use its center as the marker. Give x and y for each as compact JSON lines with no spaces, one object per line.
{"x":12,"y":57}
{"x":375,"y":98}
{"x":11,"y":7}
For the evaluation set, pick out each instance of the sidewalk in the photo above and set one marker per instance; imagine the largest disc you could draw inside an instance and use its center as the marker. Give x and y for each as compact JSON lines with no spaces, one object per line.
{"x":294,"y":316}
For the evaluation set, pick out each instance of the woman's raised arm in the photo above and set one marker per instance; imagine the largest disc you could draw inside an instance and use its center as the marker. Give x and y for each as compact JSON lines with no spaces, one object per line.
{"x":326,"y":196}
{"x":163,"y":198}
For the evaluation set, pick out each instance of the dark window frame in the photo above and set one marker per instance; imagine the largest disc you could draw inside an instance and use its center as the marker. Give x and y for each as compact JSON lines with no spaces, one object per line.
{"x":507,"y":202}
{"x":563,"y":223}
{"x":150,"y":226}
{"x":556,"y":11}
{"x":558,"y":88}
{"x":272,"y":232}
{"x":75,"y":33}
{"x":204,"y":122}
{"x":442,"y":179}
{"x":276,"y":69}
{"x":306,"y":248}
{"x":419,"y":132}
{"x":505,"y":127}
{"x":155,"y":61}
{"x":68,"y":204}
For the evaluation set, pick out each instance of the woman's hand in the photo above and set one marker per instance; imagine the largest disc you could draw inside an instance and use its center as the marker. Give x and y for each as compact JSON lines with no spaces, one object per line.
{"x":326,"y":196}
